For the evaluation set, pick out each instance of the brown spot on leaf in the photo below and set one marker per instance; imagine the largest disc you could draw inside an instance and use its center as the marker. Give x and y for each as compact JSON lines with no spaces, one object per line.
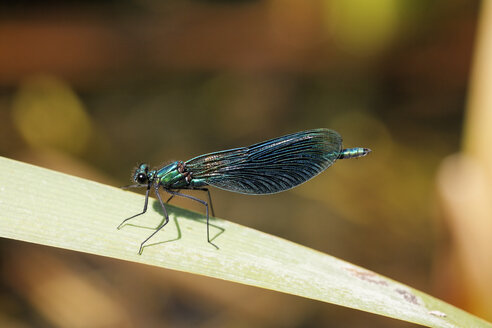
{"x":368,"y":276}
{"x":408,"y":296}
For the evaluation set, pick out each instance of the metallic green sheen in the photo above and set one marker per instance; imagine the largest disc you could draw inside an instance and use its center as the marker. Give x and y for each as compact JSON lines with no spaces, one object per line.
{"x":266,"y":167}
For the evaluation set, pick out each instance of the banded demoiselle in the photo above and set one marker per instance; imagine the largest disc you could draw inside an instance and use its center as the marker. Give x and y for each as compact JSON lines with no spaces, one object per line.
{"x":267,"y":167}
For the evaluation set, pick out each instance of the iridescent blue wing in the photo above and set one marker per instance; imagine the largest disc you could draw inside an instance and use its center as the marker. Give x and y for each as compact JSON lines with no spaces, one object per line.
{"x":271,"y":166}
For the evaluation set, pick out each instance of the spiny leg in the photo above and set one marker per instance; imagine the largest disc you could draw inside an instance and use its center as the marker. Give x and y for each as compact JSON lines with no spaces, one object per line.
{"x":209,"y":199}
{"x":171,"y":197}
{"x":206,"y":210}
{"x":145,"y":205}
{"x":156,"y":187}
{"x":201,"y":189}
{"x":138,"y":185}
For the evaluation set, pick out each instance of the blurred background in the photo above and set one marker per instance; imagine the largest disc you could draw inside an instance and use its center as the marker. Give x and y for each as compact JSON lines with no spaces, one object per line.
{"x":92,"y":88}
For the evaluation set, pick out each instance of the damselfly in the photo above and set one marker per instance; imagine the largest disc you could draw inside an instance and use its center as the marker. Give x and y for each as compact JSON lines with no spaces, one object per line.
{"x":267,"y":167}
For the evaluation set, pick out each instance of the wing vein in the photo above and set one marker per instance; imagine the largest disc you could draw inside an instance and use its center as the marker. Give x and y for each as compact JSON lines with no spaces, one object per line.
{"x":271,"y":166}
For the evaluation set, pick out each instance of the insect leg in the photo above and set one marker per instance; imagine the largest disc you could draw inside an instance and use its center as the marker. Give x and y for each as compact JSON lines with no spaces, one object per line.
{"x":156,"y":187}
{"x":169,"y":199}
{"x":145,"y":205}
{"x":133,"y":186}
{"x":206,"y":210}
{"x":209,"y":198}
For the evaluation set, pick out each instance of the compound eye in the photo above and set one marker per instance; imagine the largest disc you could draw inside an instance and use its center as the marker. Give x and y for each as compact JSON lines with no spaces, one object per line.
{"x":143,"y":167}
{"x":141,"y":178}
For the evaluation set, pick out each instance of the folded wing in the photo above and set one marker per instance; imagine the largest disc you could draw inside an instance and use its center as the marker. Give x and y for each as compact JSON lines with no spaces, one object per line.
{"x":271,"y":166}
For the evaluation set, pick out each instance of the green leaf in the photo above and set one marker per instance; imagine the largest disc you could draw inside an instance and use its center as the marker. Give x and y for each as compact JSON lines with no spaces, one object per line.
{"x":50,"y":208}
